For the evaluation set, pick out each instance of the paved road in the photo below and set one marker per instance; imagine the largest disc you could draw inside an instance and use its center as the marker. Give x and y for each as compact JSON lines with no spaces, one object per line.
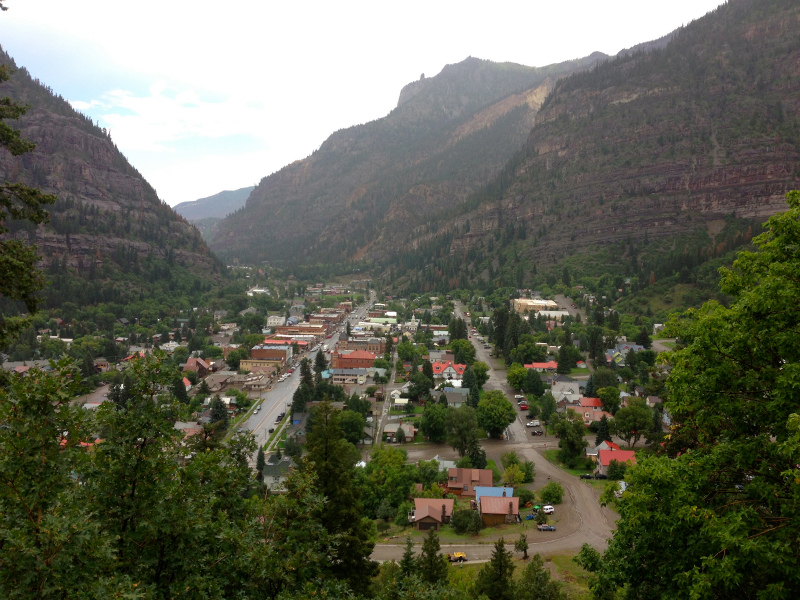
{"x":579,"y":519}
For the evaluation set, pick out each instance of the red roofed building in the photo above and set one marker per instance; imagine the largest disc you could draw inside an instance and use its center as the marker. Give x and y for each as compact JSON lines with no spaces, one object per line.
{"x":591,"y":409}
{"x":357,"y":359}
{"x":498,"y":510}
{"x":604,"y":458}
{"x":545,"y":367}
{"x":431,"y":513}
{"x":448,"y":370}
{"x":198,"y":365}
{"x":462,"y":482}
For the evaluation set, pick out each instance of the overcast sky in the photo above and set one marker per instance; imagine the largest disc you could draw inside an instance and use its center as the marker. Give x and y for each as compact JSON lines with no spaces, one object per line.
{"x":209,"y":96}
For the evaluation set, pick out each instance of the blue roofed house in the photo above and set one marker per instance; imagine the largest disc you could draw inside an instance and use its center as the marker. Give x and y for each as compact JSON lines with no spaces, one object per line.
{"x":492,"y":492}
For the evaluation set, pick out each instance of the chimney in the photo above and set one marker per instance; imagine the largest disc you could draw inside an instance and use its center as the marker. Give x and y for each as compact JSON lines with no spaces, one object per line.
{"x":444,"y":513}
{"x":511,"y":508}
{"x":504,"y":493}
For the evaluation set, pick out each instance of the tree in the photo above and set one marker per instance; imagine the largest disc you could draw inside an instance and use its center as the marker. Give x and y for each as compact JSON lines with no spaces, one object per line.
{"x":293,"y":448}
{"x":463,"y":351}
{"x":643,"y":338}
{"x":521,"y":545}
{"x":331,"y":458}
{"x":727,"y":489}
{"x":420,"y":386}
{"x":476,"y":455}
{"x":434,"y":422}
{"x":481,"y":373}
{"x":431,"y":564}
{"x":548,"y":406}
{"x":352,"y":425}
{"x":179,"y":390}
{"x":533,"y":383}
{"x":320,"y":365}
{"x":552,"y":493}
{"x":20,"y":281}
{"x":495,"y":412}
{"x":604,"y":377}
{"x":536,"y":584}
{"x":235,"y":357}
{"x":570,"y":430}
{"x":260,"y":464}
{"x":566,"y":361}
{"x":633,"y":421}
{"x":466,"y":520}
{"x":409,"y":562}
{"x":616,"y":469}
{"x":462,"y":428}
{"x":590,"y":390}
{"x":516,"y":376}
{"x":385,"y":510}
{"x":513,"y":475}
{"x":427,"y":370}
{"x":528,"y":471}
{"x":306,"y":376}
{"x":603,"y":431}
{"x":219,"y":412}
{"x":470,"y":381}
{"x":610,"y":398}
{"x":495,"y":579}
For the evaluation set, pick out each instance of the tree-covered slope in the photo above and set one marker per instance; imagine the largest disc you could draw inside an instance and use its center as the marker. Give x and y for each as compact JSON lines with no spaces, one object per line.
{"x":110,"y":238}
{"x":647,"y":145}
{"x":217,"y":206}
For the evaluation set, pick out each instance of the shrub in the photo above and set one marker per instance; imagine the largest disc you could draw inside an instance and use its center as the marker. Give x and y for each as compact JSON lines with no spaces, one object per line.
{"x":552,"y":493}
{"x":383,"y":526}
{"x":465,"y":520}
{"x":616,"y":469}
{"x":525,"y":496}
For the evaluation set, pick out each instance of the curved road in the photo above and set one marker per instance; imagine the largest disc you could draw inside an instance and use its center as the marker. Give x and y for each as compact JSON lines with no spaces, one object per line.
{"x":580,"y":519}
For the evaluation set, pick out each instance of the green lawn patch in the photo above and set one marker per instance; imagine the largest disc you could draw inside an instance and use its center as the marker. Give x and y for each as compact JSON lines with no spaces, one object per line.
{"x":552,"y":456}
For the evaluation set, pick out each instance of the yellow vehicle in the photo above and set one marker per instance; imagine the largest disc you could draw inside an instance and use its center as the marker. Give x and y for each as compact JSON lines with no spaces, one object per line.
{"x":457,"y":557}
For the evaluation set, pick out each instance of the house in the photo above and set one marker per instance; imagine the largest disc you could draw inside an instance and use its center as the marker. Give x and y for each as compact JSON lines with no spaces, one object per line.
{"x":653,"y":401}
{"x":187,"y":384}
{"x":604,"y":458}
{"x":605,"y":445}
{"x":456,"y":396}
{"x":390,"y":431}
{"x":188,"y":428}
{"x":462,"y":482}
{"x":563,"y":384}
{"x":591,"y":409}
{"x":448,"y":370}
{"x":497,"y":511}
{"x":545,"y":367}
{"x":617,"y":355}
{"x":431,"y":513}
{"x":366,"y":436}
{"x":444,"y":464}
{"x":277,"y":471}
{"x":199,"y":366}
{"x":492,"y":492}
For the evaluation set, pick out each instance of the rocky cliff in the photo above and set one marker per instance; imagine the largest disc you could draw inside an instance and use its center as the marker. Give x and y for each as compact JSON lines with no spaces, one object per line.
{"x":108,"y":223}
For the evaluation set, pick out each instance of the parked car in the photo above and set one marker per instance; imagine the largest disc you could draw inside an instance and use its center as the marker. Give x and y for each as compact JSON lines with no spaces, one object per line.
{"x":600,"y":476}
{"x":523,"y":406}
{"x":546,"y":527}
{"x":548,"y":509}
{"x":271,"y":430}
{"x":530,"y":424}
{"x":537,"y":432}
{"x":587,"y":476}
{"x":519,"y":397}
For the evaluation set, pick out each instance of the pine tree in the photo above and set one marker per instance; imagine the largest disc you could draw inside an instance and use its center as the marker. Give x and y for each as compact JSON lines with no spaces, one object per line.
{"x":260,"y":464}
{"x":408,"y":564}
{"x":495,"y":579}
{"x":589,"y":391}
{"x":432,"y":565}
{"x":603,"y":431}
{"x":219,"y":413}
{"x":332,"y":459}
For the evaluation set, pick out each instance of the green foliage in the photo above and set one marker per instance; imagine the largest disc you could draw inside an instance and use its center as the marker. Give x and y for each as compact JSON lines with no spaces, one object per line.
{"x":521,"y":545}
{"x":495,"y":579}
{"x":570,"y":431}
{"x":466,"y":520}
{"x":727,"y":494}
{"x":536,"y":583}
{"x":633,"y":421}
{"x":616,"y":469}
{"x":434,"y":422}
{"x":432,"y":565}
{"x":516,"y":376}
{"x":352,"y":425}
{"x":495,"y":413}
{"x":462,"y":429}
{"x":552,"y":493}
{"x":610,"y":398}
{"x":603,"y":431}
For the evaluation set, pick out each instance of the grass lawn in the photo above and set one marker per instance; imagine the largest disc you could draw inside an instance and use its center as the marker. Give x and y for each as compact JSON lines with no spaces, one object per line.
{"x":418,"y":410}
{"x":552,"y":456}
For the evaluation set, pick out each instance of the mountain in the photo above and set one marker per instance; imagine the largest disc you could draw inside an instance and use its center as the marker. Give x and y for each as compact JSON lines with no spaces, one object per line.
{"x":110,"y":238}
{"x":219,"y":205}
{"x":448,"y":136}
{"x":677,"y":142}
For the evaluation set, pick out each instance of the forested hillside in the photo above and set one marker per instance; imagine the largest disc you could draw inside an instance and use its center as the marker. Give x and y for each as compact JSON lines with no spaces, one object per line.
{"x":110,"y":237}
{"x":677,"y":144}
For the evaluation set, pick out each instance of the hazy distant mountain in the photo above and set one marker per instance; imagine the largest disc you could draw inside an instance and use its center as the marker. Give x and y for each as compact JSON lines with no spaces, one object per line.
{"x":219,"y":205}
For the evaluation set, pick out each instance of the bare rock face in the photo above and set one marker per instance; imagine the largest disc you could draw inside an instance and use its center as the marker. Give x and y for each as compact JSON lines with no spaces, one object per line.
{"x":106,"y":212}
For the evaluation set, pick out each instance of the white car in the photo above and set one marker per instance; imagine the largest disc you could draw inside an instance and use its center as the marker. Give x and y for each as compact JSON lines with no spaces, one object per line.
{"x":532,"y":424}
{"x":548,"y":509}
